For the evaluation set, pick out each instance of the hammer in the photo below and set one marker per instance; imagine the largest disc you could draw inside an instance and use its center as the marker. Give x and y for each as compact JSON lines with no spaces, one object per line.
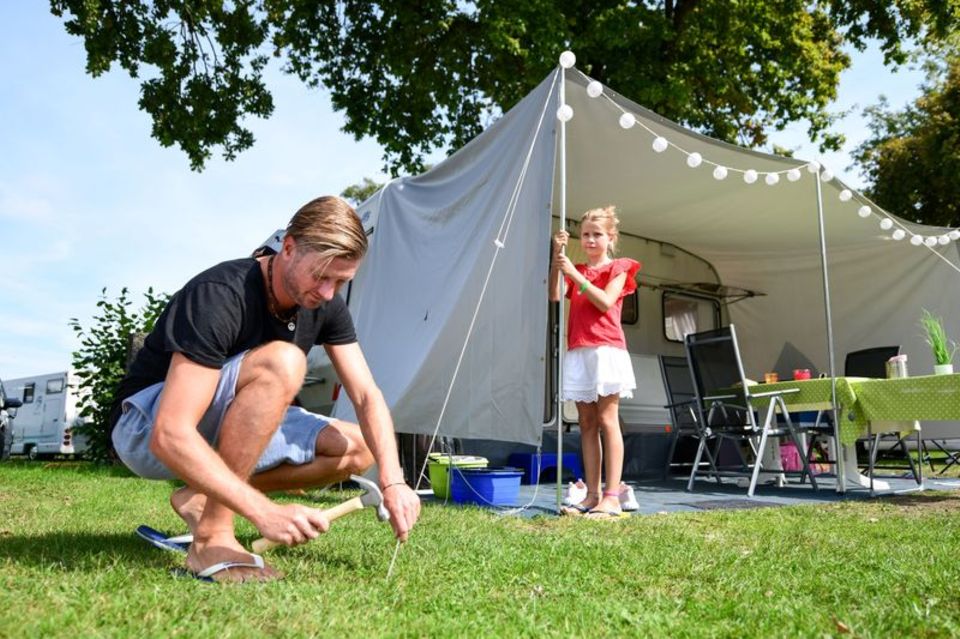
{"x":371,"y":498}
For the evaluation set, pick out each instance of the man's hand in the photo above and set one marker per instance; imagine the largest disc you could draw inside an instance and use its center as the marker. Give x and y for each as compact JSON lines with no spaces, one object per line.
{"x":293,"y":524}
{"x":404,"y":507}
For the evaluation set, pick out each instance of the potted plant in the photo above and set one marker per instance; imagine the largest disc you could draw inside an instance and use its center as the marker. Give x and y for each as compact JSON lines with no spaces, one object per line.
{"x":942,"y":348}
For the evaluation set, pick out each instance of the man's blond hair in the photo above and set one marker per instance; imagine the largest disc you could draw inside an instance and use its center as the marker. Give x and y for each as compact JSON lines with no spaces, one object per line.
{"x":330,"y":227}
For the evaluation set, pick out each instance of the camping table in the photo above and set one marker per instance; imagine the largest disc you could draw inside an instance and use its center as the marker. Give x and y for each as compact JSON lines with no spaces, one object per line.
{"x":865,"y":406}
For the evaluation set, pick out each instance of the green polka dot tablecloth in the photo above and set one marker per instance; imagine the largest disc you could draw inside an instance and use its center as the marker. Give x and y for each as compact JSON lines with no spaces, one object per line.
{"x":904,"y":399}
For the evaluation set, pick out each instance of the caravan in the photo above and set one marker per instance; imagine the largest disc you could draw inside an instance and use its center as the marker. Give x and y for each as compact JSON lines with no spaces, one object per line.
{"x":46,"y":419}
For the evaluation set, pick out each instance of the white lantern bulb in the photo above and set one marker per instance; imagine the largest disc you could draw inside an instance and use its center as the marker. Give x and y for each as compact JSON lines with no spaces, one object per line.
{"x":627,"y":120}
{"x":943,"y":240}
{"x":916,"y":240}
{"x":750,"y":176}
{"x":720,"y":173}
{"x":694,"y":160}
{"x":660,"y":144}
{"x":813,"y":167}
{"x":899,"y":234}
{"x":567,"y":59}
{"x":565,"y":113}
{"x":772,"y":178}
{"x":930,"y":241}
{"x":886,"y":224}
{"x":954,"y":235}
{"x":793,"y":175}
{"x":826,"y":175}
{"x":845,"y":195}
{"x":864,"y":211}
{"x":594,"y":89}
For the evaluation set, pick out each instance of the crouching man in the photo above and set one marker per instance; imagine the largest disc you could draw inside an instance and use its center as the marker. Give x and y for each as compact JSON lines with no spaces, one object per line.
{"x":208,"y":398}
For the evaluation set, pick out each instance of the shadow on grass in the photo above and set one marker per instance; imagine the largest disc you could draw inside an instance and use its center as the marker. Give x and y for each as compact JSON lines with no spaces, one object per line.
{"x":925,"y":500}
{"x":73,"y":550}
{"x":81,"y":552}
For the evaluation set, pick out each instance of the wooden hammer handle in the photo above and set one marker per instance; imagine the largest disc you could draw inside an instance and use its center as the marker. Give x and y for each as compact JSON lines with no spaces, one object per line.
{"x":338,"y":511}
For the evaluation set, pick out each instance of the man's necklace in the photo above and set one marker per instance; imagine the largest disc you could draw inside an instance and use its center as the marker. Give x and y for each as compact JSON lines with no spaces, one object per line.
{"x":274,"y":305}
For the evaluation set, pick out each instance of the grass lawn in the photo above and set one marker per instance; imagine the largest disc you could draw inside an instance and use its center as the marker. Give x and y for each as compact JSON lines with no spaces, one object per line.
{"x":70,"y":566}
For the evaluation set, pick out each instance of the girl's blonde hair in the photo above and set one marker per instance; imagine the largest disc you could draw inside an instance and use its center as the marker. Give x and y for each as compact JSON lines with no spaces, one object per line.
{"x":607,"y":218}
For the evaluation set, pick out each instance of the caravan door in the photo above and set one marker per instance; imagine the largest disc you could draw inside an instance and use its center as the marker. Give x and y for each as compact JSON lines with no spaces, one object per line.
{"x":53,"y":413}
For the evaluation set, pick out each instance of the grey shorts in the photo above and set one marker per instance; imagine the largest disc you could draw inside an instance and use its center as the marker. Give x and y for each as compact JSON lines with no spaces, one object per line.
{"x":295,"y":442}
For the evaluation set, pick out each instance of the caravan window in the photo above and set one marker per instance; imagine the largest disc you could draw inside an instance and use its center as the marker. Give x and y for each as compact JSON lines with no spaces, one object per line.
{"x":54,"y":386}
{"x":28,"y":391}
{"x":685,"y":314}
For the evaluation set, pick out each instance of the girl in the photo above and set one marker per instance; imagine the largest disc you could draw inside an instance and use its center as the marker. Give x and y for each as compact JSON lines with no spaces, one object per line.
{"x":596,"y":368}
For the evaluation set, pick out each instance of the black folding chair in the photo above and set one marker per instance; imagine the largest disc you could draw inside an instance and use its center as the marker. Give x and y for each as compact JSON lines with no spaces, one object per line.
{"x":683,"y":415}
{"x":872,"y":362}
{"x":725,"y":405}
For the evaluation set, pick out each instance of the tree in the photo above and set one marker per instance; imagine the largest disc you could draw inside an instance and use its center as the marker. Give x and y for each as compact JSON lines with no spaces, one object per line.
{"x":912,"y":158}
{"x":425,"y":75}
{"x":358,"y":193}
{"x":101,"y":362}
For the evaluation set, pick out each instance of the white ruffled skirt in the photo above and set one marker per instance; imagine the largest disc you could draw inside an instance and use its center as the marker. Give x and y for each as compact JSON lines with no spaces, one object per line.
{"x":597,"y":371}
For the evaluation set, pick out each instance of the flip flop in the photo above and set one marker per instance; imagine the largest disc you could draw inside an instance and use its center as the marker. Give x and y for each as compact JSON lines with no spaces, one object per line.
{"x":179,"y":544}
{"x":574,"y":510}
{"x":606,"y":515}
{"x":207,"y":573}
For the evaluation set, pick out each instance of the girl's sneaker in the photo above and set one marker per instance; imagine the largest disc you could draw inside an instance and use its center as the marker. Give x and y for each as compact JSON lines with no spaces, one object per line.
{"x":576,"y":492}
{"x":628,"y":501}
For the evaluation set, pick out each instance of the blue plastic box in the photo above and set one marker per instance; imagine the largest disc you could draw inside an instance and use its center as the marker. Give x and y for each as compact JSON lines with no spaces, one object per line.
{"x":494,"y":486}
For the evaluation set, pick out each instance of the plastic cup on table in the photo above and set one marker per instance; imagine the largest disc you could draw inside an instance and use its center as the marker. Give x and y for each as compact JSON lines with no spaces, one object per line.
{"x":770,"y":378}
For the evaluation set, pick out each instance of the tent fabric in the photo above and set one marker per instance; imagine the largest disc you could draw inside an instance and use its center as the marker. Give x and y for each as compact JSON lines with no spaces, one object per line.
{"x":761,"y":237}
{"x":432,"y":243}
{"x":431,"y":247}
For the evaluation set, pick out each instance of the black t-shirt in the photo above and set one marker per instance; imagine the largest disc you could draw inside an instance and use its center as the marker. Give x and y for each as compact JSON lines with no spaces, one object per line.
{"x":220,"y":313}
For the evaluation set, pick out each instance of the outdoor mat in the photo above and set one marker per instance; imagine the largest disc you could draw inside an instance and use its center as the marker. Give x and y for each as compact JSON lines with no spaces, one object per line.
{"x":721,"y":504}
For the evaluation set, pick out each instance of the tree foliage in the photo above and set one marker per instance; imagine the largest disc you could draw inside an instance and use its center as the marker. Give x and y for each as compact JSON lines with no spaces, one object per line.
{"x":358,"y":193}
{"x":417,"y":76}
{"x":912,"y":158}
{"x":100,"y":362}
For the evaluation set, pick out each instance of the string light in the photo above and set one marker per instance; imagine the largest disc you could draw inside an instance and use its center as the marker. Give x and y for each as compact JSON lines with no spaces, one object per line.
{"x":567,"y":59}
{"x":565,"y":113}
{"x":694,"y":159}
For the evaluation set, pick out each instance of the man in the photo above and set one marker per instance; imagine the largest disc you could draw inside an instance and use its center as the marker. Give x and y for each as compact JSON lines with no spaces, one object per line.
{"x":208,"y":398}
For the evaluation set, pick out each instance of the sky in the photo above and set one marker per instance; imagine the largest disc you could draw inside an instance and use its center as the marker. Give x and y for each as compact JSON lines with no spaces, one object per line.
{"x":88,"y":200}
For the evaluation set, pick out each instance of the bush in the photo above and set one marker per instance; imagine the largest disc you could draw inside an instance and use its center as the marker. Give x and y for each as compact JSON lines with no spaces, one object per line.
{"x":101,"y":363}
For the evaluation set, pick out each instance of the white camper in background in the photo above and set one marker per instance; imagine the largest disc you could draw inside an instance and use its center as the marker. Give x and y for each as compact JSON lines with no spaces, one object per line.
{"x":45,"y":421}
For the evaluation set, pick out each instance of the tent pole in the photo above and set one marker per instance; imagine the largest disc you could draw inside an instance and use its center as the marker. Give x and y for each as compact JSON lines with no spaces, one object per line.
{"x":560,"y":322}
{"x":838,"y":449}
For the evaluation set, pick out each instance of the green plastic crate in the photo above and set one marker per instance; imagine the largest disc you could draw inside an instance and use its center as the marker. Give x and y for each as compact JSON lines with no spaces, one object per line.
{"x":439,"y":467}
